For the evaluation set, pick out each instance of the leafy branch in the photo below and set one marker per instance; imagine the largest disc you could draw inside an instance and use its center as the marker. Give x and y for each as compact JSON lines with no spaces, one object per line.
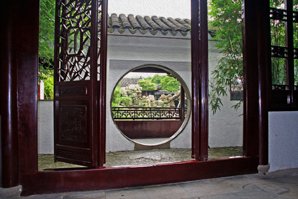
{"x":226,"y":19}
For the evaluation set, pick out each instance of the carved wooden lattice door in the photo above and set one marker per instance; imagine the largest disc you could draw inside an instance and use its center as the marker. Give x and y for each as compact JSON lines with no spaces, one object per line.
{"x":80,"y":46}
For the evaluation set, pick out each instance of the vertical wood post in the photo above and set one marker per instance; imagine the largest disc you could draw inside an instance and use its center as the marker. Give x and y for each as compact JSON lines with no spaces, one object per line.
{"x":102,"y":103}
{"x":263,"y":32}
{"x":27,"y":25}
{"x":8,"y":98}
{"x":256,"y":54}
{"x":199,"y":45}
{"x":250,"y":68}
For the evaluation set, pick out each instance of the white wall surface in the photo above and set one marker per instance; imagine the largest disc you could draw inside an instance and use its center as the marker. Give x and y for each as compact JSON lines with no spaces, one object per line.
{"x":283,"y":140}
{"x":226,"y":125}
{"x":45,"y":127}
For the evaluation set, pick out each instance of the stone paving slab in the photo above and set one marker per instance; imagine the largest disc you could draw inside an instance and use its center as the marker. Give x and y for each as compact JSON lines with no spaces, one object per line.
{"x":143,"y":157}
{"x":277,"y":185}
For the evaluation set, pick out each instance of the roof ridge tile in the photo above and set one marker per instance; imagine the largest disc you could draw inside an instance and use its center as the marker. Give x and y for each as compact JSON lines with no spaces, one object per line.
{"x":154,"y":25}
{"x":142,"y":22}
{"x":115,"y":21}
{"x":168,"y":23}
{"x":124,"y":21}
{"x":160,"y":23}
{"x":133,"y":21}
{"x":178,"y":25}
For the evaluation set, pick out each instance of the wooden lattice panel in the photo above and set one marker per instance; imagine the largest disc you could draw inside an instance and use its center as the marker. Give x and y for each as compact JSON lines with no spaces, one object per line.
{"x":74,"y":40}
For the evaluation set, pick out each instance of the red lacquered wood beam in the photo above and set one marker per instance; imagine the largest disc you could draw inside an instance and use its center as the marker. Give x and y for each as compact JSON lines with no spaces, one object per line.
{"x":106,"y":178}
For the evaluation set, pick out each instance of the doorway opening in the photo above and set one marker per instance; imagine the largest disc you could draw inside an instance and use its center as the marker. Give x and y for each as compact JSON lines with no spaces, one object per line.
{"x":149,"y":43}
{"x":150,"y":105}
{"x":226,"y":79}
{"x":136,"y":40}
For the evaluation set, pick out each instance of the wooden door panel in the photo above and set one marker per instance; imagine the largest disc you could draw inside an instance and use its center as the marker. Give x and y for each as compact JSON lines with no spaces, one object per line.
{"x":73,"y":121}
{"x":80,"y":57}
{"x":73,"y":124}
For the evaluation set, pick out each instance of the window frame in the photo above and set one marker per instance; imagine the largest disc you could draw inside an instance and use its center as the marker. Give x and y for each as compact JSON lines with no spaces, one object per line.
{"x":282,"y":97}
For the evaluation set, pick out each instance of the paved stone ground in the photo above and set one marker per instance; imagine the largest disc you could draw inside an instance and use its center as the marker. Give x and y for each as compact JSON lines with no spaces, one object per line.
{"x":144,"y":157}
{"x":276,"y":185}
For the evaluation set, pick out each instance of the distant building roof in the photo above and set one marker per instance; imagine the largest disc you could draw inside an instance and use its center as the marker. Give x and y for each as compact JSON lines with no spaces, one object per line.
{"x":153,"y":25}
{"x":128,"y":81}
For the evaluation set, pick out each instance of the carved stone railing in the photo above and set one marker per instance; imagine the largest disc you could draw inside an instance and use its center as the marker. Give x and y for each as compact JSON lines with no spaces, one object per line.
{"x":152,"y":113}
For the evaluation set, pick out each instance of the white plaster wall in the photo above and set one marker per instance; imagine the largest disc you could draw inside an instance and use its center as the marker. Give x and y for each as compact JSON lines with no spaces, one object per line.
{"x":283,"y":140}
{"x":226,"y":125}
{"x":122,"y":47}
{"x":45,"y":127}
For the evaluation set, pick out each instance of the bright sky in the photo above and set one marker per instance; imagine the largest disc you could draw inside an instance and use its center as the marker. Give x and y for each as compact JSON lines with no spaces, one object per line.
{"x":165,"y":8}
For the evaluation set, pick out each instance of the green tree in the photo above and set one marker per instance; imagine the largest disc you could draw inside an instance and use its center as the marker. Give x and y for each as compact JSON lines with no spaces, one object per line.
{"x":47,"y":76}
{"x":163,"y":82}
{"x":169,"y":83}
{"x":147,"y":84}
{"x":157,"y":79}
{"x":278,"y":38}
{"x":119,"y":100}
{"x":46,"y":46}
{"x":46,"y":30}
{"x":226,"y":20}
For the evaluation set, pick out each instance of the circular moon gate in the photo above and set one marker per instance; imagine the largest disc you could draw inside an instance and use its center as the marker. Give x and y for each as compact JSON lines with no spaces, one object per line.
{"x":150,"y":105}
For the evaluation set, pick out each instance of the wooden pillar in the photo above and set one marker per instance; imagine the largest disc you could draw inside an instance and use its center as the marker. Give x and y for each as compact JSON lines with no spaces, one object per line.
{"x":199,"y":71}
{"x":263,"y":27}
{"x":256,"y":53}
{"x":250,"y":68}
{"x":102,"y":103}
{"x":8,"y":97}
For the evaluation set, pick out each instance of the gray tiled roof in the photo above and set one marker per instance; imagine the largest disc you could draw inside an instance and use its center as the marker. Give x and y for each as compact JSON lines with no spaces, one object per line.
{"x":130,"y":24}
{"x":127,"y":81}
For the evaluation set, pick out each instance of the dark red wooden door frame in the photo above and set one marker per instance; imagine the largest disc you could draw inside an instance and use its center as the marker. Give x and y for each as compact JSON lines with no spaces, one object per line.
{"x":19,"y":110}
